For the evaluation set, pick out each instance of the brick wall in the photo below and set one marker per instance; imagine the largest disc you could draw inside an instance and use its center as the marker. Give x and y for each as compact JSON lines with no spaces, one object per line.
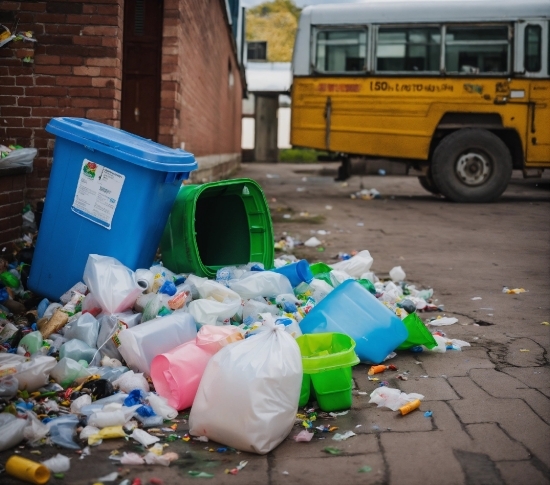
{"x":198,"y":105}
{"x":76,"y":71}
{"x":12,"y":185}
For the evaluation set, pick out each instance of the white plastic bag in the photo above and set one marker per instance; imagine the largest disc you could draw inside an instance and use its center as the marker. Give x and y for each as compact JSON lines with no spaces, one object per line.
{"x":217,"y":303}
{"x":355,"y":266}
{"x":86,"y":328}
{"x":35,"y":373}
{"x":261,"y":283}
{"x":249,"y":393}
{"x":161,"y":407}
{"x":58,"y":463}
{"x":113,"y":285}
{"x":23,"y":157}
{"x":12,"y":432}
{"x":129,"y":381}
{"x":397,"y":274}
{"x":392,"y":398}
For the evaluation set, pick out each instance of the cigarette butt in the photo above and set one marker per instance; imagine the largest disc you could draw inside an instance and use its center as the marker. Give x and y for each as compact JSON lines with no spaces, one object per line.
{"x":407,"y":408}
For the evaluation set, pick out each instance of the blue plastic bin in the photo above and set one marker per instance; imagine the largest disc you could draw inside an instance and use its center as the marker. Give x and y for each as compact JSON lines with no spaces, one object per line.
{"x":110,"y":193}
{"x":352,"y":310}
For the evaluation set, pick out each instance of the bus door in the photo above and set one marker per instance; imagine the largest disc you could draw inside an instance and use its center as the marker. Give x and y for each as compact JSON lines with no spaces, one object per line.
{"x":532,"y":59}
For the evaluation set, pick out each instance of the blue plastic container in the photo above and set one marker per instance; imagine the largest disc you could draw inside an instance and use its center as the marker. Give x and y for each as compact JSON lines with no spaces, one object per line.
{"x":352,"y":310}
{"x":110,"y":193}
{"x":296,"y":273}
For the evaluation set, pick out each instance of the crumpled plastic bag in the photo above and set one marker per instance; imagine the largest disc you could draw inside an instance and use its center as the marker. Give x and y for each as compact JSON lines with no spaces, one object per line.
{"x":129,"y":381}
{"x":8,"y":386}
{"x":11,"y":431}
{"x":337,"y":277}
{"x":58,"y":463}
{"x":252,"y":308}
{"x":161,"y":407}
{"x":35,"y":430}
{"x":67,"y":371}
{"x":248,"y":395}
{"x":113,"y":285}
{"x":110,"y":327}
{"x":35,"y":373}
{"x":143,"y":437}
{"x":85,"y":328}
{"x":23,"y":157}
{"x":357,"y":265}
{"x":261,"y":283}
{"x":80,"y":402}
{"x":217,"y":303}
{"x":77,"y":350}
{"x":392,"y":398}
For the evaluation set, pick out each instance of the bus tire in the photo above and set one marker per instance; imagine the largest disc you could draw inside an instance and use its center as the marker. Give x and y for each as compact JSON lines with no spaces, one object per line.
{"x":427,"y":183}
{"x":471,"y":165}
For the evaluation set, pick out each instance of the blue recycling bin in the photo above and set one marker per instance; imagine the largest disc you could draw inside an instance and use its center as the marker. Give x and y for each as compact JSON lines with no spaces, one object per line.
{"x":110,"y":193}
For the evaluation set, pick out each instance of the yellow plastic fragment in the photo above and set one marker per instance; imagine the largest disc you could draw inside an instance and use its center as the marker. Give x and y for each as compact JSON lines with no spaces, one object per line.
{"x":545,"y":323}
{"x":524,"y":350}
{"x":107,"y":433}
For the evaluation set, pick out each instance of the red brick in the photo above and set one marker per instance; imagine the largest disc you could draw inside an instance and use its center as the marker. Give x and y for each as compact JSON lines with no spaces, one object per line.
{"x":14,"y":111}
{"x":24,"y":80}
{"x":33,"y":122}
{"x":50,"y":18}
{"x":85,"y":102}
{"x":103,"y":62}
{"x":28,"y":101}
{"x":101,"y":82}
{"x":73,"y":81}
{"x":8,"y":100}
{"x":33,"y":7}
{"x":101,"y":30}
{"x":45,"y":91}
{"x":110,"y":41}
{"x":86,"y":40}
{"x":93,"y":92}
{"x":48,"y":101}
{"x":7,"y":81}
{"x":54,"y":70}
{"x":72,"y":60}
{"x":45,"y":80}
{"x":86,"y":71}
{"x":46,"y":60}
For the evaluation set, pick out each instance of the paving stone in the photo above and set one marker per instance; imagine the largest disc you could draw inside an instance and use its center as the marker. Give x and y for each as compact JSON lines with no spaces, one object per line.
{"x":432,"y":450}
{"x":432,"y":388}
{"x":516,"y":357}
{"x":538,"y":402}
{"x":490,"y":439}
{"x":446,"y":420}
{"x":537,"y":377}
{"x":514,"y":472}
{"x":360,"y":444}
{"x":327,"y":470}
{"x":374,"y":420}
{"x":478,"y":468}
{"x":545,"y":391}
{"x":454,"y":363}
{"x":498,"y":384}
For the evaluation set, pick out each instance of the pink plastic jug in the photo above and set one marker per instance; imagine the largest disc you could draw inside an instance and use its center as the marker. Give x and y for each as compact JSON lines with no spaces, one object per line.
{"x":176,"y":374}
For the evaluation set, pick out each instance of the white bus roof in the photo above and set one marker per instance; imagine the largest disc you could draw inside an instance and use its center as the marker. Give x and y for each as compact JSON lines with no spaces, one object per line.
{"x":405,"y":11}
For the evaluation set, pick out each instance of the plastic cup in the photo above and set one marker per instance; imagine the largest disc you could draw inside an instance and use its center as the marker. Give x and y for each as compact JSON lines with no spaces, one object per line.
{"x":27,"y":470}
{"x":296,"y":272}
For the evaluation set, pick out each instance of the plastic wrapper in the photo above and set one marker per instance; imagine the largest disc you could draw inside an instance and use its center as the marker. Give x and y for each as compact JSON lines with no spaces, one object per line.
{"x":31,"y":343}
{"x":131,"y":459}
{"x":12,"y":432}
{"x":392,"y":398}
{"x":62,"y":431}
{"x":139,"y":345}
{"x":150,"y":421}
{"x":88,"y":431}
{"x":80,"y":402}
{"x":143,"y":437}
{"x":237,"y":403}
{"x":161,"y":407}
{"x":119,"y":417}
{"x":320,"y":289}
{"x":113,"y":285}
{"x":217,"y":304}
{"x":357,"y":265}
{"x":50,"y":310}
{"x":77,"y":350}
{"x":110,"y":327}
{"x":35,"y":429}
{"x":91,"y":305}
{"x":8,"y":386}
{"x":35,"y":373}
{"x":58,"y":463}
{"x":163,"y":460}
{"x":212,"y":338}
{"x":261,"y":283}
{"x":110,"y":432}
{"x":99,"y":404}
{"x":129,"y":381}
{"x":67,"y":371}
{"x":397,"y":274}
{"x":252,"y":308}
{"x":337,"y":277}
{"x":23,"y":157}
{"x":86,"y":329}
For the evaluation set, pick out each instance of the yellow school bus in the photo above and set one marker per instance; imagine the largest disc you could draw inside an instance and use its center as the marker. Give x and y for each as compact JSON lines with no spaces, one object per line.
{"x":457,"y":89}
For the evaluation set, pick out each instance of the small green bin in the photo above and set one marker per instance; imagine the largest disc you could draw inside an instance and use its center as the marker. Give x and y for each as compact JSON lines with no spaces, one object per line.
{"x":218,"y":224}
{"x":327,"y":359}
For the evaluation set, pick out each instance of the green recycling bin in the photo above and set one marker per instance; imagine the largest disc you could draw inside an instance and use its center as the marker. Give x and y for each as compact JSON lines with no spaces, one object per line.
{"x":218,"y":224}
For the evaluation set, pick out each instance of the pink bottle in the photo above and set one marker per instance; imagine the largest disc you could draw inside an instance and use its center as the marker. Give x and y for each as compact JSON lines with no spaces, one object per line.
{"x":176,"y":374}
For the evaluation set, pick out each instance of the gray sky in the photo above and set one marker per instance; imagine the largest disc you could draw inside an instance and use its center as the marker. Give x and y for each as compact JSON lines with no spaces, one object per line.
{"x":300,"y":3}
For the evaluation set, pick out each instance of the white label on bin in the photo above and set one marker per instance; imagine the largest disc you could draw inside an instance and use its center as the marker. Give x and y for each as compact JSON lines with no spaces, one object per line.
{"x":97,"y":193}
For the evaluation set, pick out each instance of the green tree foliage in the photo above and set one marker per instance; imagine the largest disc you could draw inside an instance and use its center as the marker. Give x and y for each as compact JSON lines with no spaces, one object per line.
{"x":275,"y":22}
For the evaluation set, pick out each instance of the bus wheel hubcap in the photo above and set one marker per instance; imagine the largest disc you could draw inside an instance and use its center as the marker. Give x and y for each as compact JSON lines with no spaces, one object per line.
{"x":473,"y":168}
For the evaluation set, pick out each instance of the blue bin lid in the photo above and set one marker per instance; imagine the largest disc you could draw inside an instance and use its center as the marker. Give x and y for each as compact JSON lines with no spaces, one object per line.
{"x":122,"y":145}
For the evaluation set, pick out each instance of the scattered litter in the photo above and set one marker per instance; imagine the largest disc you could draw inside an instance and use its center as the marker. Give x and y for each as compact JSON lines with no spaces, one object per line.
{"x":272,"y":176}
{"x":58,"y":464}
{"x":328,"y":207}
{"x":237,"y":469}
{"x":392,"y":398}
{"x":524,"y":350}
{"x":476,"y":298}
{"x":514,"y":291}
{"x":365,"y":469}
{"x":198,"y":474}
{"x":366,"y":194}
{"x":332,"y":451}
{"x":428,"y":414}
{"x":111,"y":477}
{"x":545,"y":323}
{"x":303,"y":435}
{"x":360,"y":224}
{"x":312,"y":242}
{"x":441,"y":321}
{"x":344,"y":436}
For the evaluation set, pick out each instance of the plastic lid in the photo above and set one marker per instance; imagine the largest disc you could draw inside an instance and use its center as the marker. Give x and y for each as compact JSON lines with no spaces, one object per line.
{"x":284,"y":321}
{"x":122,"y":145}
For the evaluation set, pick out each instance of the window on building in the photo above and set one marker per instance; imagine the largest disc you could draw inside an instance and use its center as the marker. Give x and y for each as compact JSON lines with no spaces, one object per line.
{"x":477,"y":50}
{"x":341,"y":51}
{"x":257,"y":51}
{"x":532,"y":48}
{"x":408,"y":49}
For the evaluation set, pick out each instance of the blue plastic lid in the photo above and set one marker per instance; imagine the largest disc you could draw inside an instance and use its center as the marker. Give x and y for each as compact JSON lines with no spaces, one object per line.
{"x":284,"y":321}
{"x":122,"y":145}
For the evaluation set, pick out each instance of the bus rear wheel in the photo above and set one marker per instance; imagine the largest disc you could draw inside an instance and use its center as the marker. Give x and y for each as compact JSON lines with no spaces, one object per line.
{"x":471,"y":165}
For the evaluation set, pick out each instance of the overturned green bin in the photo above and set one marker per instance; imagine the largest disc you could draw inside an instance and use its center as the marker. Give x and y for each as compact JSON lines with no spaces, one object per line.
{"x":218,"y":224}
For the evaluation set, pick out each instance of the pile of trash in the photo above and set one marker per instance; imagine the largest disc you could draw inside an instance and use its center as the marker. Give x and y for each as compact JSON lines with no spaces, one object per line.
{"x":123,"y":351}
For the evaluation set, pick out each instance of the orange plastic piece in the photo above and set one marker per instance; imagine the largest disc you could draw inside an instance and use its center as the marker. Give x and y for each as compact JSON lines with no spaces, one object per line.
{"x":407,"y":408}
{"x":27,"y":470}
{"x":376,"y":369}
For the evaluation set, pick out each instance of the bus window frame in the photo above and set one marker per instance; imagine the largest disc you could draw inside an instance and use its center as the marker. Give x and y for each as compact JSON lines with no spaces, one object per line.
{"x":373,"y":66}
{"x":316,"y":30}
{"x":526,"y":44}
{"x":509,"y":42}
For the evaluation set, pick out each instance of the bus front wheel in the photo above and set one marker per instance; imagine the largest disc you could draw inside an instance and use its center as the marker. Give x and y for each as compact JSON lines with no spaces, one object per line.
{"x":471,"y":165}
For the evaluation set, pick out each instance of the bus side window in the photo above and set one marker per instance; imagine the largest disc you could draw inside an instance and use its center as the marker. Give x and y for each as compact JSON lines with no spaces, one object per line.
{"x":532,"y":48}
{"x":400,"y":49}
{"x":476,"y":50}
{"x":341,"y":51}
